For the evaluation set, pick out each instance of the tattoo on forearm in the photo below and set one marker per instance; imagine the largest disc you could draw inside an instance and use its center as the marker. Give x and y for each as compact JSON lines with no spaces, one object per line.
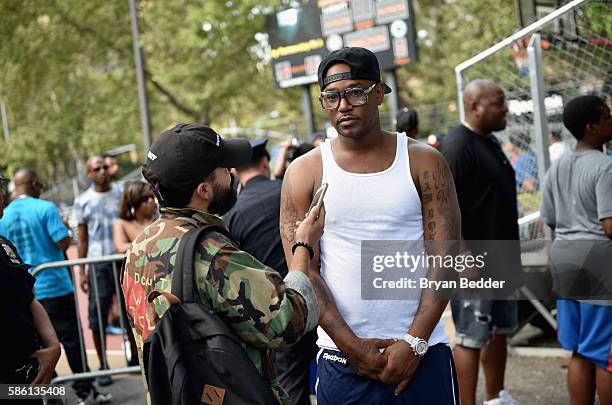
{"x":423,"y":309}
{"x":330,"y":317}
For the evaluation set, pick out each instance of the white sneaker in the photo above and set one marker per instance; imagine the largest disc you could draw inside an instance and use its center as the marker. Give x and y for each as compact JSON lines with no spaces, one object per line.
{"x":95,"y":397}
{"x":503,"y":399}
{"x":103,"y":397}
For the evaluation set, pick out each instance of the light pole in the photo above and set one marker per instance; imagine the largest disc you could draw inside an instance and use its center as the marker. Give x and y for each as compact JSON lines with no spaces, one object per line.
{"x":5,"y":128}
{"x":140,"y":77}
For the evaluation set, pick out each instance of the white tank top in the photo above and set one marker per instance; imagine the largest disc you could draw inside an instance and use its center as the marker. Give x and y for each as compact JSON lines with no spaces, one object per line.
{"x":370,"y":206}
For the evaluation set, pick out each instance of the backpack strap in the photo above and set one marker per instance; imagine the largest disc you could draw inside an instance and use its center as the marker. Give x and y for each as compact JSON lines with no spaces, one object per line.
{"x":183,"y":283}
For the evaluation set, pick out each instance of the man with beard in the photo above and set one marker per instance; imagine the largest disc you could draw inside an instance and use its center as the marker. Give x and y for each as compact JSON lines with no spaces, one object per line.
{"x":187,"y":169}
{"x":381,"y":186}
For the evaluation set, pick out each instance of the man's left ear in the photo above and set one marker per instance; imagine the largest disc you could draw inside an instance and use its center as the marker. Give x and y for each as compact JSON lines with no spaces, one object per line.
{"x":203,"y":190}
{"x":380,"y":93}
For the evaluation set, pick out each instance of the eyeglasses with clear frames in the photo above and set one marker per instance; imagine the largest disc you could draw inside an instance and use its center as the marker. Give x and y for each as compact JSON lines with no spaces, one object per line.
{"x":355,"y":96}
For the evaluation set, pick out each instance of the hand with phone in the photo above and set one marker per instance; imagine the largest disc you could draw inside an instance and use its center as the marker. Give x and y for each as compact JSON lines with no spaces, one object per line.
{"x":310,"y":229}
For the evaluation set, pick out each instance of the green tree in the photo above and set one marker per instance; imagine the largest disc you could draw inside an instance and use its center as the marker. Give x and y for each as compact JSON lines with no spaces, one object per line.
{"x":69,"y":83}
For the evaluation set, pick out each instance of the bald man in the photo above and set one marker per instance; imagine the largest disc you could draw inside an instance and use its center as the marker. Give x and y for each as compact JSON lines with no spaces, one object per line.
{"x":95,"y":211}
{"x":486,"y":191}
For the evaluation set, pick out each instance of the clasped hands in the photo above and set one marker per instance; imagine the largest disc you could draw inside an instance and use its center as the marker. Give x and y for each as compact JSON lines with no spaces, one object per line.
{"x":395,"y":365}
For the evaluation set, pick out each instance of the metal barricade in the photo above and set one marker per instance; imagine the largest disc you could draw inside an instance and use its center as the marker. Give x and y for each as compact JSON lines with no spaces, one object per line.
{"x":539,"y":259}
{"x":113,"y":260}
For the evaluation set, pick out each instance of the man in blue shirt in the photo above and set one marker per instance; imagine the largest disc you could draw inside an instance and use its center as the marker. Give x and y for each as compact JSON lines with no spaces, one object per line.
{"x":526,"y":167}
{"x":36,"y":229}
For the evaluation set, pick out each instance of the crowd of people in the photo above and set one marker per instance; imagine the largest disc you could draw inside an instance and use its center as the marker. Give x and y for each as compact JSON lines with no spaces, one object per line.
{"x":283,"y":276}
{"x":109,"y":217}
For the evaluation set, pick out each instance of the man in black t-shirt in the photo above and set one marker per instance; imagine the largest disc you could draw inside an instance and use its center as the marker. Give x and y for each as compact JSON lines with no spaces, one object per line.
{"x":486,"y":191}
{"x":254,"y":223}
{"x":24,"y":361}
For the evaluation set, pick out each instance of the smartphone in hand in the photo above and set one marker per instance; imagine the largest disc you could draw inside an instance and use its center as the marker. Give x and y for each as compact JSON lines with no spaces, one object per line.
{"x":317,"y":200}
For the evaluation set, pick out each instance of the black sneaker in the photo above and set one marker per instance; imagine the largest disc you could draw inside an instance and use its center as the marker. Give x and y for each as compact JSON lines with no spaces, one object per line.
{"x":104,"y":380}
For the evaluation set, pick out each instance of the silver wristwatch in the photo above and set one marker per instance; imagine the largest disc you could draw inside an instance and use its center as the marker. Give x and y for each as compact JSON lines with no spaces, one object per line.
{"x":419,"y":346}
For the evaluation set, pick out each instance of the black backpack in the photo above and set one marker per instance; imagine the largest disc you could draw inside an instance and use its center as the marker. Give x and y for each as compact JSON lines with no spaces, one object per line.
{"x":192,"y":357}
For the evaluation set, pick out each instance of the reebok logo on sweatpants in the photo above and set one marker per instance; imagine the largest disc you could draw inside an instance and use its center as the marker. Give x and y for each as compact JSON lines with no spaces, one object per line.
{"x":334,"y":357}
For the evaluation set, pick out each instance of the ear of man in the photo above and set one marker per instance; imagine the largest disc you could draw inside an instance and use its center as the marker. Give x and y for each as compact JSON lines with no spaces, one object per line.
{"x":380,"y":93}
{"x":264,"y":163}
{"x":203,"y":190}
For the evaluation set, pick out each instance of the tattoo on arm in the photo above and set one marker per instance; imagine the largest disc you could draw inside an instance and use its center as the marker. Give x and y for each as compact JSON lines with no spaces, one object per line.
{"x":327,"y":306}
{"x":430,"y":222}
{"x":441,"y":226}
{"x":438,"y":189}
{"x":288,"y":214}
{"x":331,"y":319}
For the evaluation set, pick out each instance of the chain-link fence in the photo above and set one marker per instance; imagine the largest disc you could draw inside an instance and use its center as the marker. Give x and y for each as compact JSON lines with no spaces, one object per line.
{"x":563,"y":55}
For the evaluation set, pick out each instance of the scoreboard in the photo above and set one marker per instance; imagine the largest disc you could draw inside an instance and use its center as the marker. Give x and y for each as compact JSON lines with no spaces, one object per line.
{"x":301,"y":37}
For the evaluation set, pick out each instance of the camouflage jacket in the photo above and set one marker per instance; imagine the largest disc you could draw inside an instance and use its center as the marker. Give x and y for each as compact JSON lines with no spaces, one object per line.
{"x":249,"y":297}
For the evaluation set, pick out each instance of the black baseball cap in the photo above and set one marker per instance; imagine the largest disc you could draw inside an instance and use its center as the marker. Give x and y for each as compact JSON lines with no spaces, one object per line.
{"x":189,"y":152}
{"x":362,"y":61}
{"x":259,"y":148}
{"x":407,"y":119}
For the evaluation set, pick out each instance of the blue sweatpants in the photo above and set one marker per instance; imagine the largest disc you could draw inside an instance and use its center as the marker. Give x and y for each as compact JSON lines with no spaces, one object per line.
{"x":433,"y":383}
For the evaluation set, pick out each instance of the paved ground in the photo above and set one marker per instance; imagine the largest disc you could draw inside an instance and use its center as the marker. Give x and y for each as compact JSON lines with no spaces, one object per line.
{"x":126,"y":390}
{"x":534,"y":381}
{"x":530,"y":380}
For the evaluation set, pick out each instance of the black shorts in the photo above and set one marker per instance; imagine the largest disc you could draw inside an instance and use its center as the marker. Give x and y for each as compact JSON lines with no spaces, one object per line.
{"x":105,"y":284}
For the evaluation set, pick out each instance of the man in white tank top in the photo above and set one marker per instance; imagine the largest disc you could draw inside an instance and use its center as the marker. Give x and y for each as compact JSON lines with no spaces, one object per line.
{"x":382,"y":186}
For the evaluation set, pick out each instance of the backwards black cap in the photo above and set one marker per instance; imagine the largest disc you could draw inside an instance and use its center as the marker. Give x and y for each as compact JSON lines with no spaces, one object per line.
{"x":407,"y":118}
{"x":259,"y":148}
{"x":189,"y":152}
{"x":362,"y":61}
